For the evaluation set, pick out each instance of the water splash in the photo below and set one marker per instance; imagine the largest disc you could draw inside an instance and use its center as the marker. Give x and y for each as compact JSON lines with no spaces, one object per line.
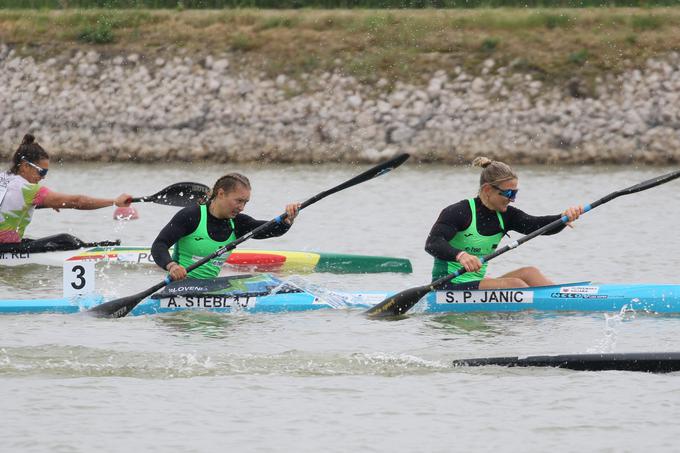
{"x":323,"y":295}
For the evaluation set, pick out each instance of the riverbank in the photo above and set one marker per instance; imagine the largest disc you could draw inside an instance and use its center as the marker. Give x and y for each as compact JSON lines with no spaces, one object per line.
{"x":576,"y":86}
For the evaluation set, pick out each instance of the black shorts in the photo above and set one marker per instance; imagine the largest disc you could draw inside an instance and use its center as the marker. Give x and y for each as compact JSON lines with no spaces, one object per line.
{"x":467,"y":286}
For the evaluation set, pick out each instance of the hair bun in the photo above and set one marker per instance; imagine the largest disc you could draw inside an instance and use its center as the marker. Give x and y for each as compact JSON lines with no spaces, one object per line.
{"x":28,"y":139}
{"x":481,"y":162}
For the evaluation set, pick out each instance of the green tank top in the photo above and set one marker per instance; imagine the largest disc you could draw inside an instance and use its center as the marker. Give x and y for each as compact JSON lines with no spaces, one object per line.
{"x":198,"y":245}
{"x":473,"y":243}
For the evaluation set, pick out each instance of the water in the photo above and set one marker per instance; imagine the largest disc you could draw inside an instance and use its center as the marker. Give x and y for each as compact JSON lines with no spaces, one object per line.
{"x":332,"y":379}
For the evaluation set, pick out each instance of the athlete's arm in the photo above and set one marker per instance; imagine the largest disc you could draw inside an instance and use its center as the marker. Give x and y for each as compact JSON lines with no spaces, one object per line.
{"x":182,"y":224}
{"x":452,"y":219}
{"x":58,"y":200}
{"x":520,"y":221}
{"x":245,"y":224}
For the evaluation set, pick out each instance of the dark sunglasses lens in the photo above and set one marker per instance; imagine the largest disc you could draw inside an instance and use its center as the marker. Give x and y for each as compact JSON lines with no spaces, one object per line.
{"x":43,"y":172}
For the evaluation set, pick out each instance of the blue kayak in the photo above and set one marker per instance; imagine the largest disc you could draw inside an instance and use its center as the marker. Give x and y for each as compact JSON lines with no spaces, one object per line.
{"x":264,"y":293}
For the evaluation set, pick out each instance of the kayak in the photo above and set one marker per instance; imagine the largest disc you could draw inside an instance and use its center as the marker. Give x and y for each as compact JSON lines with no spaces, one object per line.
{"x":266,"y":260}
{"x":54,"y":250}
{"x":265,"y":293}
{"x":648,"y":362}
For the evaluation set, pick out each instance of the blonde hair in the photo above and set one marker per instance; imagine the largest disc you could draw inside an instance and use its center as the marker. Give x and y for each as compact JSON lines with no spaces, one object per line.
{"x":494,"y":172}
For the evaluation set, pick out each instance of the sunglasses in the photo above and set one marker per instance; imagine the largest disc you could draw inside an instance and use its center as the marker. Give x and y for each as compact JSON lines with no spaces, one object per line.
{"x":510,"y":194}
{"x":41,"y":171}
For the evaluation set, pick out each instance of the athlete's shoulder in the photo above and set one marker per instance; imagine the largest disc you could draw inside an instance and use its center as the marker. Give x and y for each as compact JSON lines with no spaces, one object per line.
{"x":465,"y":203}
{"x":189,"y":214}
{"x":456,"y":214}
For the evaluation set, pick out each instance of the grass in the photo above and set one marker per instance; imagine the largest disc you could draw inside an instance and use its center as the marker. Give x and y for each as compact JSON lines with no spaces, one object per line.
{"x":330,"y":4}
{"x":554,"y":45}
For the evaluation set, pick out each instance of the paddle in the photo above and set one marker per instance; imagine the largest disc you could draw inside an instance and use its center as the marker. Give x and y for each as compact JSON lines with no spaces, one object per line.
{"x":648,"y":362}
{"x":121,"y":307}
{"x":402,"y":302}
{"x":181,"y":194}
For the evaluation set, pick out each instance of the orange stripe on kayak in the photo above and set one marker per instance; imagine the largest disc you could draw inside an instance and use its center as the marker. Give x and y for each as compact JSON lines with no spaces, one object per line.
{"x":92,"y":256}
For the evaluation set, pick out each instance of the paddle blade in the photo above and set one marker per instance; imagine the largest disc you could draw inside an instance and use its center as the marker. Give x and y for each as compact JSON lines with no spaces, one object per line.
{"x":119,"y":308}
{"x":180,"y":194}
{"x":399,"y":303}
{"x":371,"y":173}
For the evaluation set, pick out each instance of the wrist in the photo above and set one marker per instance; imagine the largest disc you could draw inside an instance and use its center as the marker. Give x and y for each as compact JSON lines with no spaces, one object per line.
{"x":459,"y":255}
{"x":170,"y":265}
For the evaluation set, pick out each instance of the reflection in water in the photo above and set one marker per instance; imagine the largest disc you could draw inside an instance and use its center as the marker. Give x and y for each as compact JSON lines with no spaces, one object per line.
{"x":205,"y":323}
{"x":474,"y":322}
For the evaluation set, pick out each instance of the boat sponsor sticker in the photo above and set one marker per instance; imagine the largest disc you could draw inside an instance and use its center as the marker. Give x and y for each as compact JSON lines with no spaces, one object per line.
{"x":579,"y":290}
{"x":496,"y":296}
{"x":208,"y":301}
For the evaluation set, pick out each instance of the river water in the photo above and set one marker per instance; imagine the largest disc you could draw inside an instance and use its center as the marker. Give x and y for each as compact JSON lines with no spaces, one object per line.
{"x":331,"y":379}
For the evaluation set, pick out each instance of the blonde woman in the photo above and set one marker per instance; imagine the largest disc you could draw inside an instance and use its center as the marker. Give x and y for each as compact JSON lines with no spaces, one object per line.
{"x":473,"y":228}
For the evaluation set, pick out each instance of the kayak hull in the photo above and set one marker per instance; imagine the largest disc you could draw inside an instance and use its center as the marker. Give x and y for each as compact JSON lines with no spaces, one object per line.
{"x":239,"y":260}
{"x":575,"y":297}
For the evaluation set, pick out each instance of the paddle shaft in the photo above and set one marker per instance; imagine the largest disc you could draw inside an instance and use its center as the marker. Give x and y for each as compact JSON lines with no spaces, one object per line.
{"x":404,"y":301}
{"x":121,"y":307}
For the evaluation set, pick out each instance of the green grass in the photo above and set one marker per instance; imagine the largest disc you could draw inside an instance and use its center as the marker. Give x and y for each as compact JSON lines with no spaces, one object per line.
{"x":328,"y":4}
{"x":553,"y":45}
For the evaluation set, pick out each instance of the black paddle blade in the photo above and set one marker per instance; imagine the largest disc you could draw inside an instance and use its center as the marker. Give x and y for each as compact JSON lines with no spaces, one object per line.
{"x":653,"y":362}
{"x":371,"y":173}
{"x":663,"y":179}
{"x":119,"y":308}
{"x":399,"y":303}
{"x":180,"y":194}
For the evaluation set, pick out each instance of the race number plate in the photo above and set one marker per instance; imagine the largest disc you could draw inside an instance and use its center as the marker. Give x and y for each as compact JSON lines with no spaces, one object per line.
{"x":78,"y":278}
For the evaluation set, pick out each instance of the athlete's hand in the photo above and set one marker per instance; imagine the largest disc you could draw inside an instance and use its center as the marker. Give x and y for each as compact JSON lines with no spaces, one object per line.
{"x":470,"y":262}
{"x":123,"y":200}
{"x":573,"y":213}
{"x":292,"y":210}
{"x":176,"y":271}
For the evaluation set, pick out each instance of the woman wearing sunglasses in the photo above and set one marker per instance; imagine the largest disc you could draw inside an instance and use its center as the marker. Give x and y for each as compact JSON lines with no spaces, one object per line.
{"x":473,"y":228}
{"x":20,"y":192}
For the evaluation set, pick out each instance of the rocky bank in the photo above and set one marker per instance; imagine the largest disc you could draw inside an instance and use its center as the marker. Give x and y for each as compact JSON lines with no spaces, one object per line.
{"x":86,"y":106}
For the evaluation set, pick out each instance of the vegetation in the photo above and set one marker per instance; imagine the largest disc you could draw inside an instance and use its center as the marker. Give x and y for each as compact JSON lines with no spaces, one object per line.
{"x":553,"y":45}
{"x":330,"y":4}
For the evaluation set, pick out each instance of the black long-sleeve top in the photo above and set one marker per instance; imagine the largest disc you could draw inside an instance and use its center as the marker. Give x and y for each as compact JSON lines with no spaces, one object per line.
{"x":457,"y":217}
{"x":187,"y":220}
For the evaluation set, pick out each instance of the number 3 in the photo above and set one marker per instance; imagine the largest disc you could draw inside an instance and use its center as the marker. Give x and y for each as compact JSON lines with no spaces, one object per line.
{"x":80,"y":277}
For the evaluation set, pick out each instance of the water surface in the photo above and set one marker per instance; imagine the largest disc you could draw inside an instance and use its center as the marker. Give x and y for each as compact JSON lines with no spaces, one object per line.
{"x":332,"y":379}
